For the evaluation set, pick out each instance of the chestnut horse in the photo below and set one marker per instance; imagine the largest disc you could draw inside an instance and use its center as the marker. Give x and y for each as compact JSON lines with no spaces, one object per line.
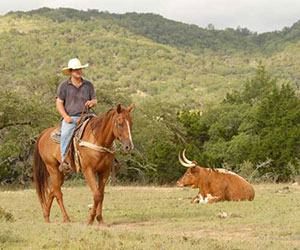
{"x":101,"y":131}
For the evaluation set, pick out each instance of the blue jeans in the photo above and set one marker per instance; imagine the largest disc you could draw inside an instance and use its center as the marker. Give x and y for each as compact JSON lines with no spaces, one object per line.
{"x":67,"y":130}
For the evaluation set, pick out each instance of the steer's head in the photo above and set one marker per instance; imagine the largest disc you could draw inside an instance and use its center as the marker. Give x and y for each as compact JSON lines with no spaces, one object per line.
{"x":191,"y":176}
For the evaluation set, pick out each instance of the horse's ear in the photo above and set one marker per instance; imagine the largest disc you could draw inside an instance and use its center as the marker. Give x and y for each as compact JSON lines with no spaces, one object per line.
{"x":131,"y":107}
{"x":119,"y":108}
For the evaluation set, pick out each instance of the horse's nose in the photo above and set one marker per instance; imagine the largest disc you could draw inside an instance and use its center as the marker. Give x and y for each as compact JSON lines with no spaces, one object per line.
{"x":128,"y":147}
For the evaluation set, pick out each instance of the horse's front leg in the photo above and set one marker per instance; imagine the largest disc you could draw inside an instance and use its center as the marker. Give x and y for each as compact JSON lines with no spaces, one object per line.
{"x":91,"y":181}
{"x":103,"y":177}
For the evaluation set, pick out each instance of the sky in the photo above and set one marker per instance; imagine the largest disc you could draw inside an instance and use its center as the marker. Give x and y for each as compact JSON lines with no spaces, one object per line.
{"x":256,"y":15}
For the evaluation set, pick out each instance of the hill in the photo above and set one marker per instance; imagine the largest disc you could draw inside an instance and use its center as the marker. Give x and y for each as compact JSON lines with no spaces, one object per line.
{"x":173,"y":33}
{"x":161,"y":65}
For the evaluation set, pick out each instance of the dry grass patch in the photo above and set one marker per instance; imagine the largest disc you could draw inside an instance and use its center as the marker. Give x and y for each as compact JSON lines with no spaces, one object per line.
{"x":155,"y":218}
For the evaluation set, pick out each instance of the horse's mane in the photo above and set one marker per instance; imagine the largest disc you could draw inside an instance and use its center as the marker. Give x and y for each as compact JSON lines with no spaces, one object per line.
{"x":98,"y":122}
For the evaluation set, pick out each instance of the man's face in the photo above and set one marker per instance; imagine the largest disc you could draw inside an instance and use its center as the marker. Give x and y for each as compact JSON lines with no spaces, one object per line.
{"x":77,"y":73}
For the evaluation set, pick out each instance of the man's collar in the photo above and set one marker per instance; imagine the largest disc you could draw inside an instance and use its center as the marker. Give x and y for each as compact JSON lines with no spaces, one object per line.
{"x":70,"y":82}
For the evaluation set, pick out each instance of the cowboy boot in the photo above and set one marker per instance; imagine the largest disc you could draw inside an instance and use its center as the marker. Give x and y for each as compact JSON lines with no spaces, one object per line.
{"x":65,"y":168}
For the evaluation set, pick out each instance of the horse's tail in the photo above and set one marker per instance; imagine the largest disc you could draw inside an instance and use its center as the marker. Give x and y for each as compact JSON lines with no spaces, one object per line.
{"x":40,"y":175}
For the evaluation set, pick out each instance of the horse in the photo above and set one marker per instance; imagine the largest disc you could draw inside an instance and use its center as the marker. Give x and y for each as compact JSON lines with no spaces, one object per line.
{"x":100,"y":132}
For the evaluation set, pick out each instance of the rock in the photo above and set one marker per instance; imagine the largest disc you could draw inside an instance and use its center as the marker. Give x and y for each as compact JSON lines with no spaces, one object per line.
{"x":222,"y":215}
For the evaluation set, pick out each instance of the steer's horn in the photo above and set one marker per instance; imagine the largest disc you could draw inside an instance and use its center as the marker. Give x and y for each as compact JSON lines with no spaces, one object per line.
{"x":185,"y":159}
{"x":185,"y":164}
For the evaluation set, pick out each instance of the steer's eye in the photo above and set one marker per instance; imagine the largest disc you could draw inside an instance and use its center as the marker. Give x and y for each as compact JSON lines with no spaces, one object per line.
{"x":120,"y":125}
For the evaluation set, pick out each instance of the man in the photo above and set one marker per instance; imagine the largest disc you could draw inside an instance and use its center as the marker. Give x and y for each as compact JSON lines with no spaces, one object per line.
{"x":73,"y":96}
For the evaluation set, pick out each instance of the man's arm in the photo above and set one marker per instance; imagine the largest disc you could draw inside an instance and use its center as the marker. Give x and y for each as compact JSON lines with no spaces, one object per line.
{"x":61,"y":109}
{"x":91,"y":103}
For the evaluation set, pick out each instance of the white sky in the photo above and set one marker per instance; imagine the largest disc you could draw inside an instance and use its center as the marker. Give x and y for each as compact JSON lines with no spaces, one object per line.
{"x":256,"y":15}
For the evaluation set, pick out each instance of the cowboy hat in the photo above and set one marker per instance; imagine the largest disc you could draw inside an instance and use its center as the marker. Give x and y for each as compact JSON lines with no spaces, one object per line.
{"x":73,"y":63}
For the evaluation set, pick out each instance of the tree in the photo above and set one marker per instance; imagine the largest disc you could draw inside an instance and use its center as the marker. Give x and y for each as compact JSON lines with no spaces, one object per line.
{"x":260,"y":122}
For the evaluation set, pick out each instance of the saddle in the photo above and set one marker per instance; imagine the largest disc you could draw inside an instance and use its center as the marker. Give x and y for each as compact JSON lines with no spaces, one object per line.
{"x":81,"y":124}
{"x":72,"y":152}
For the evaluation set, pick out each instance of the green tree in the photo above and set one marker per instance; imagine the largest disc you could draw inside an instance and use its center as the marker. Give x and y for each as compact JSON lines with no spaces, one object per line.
{"x":260,"y":122}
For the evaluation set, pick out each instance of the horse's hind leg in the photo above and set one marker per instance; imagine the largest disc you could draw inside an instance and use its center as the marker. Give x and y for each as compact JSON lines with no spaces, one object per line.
{"x":57,"y":179}
{"x":48,"y":206}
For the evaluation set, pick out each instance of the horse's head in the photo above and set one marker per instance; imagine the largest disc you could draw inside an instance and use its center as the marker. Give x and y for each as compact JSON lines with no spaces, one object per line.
{"x":122,"y":126}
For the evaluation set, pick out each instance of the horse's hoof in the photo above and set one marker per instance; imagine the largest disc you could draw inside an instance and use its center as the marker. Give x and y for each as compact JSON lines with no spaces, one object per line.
{"x":90,"y":222}
{"x":102,"y":223}
{"x":66,"y":220}
{"x":99,"y":218}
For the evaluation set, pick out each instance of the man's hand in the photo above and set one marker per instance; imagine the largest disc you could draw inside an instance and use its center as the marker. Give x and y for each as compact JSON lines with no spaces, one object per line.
{"x":68,"y":119}
{"x":91,"y":103}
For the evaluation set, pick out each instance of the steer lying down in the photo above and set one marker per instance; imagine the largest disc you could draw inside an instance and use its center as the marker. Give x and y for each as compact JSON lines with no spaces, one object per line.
{"x":214,"y":184}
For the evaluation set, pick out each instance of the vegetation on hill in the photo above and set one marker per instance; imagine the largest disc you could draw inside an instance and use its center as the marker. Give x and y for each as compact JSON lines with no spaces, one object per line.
{"x":181,"y":35}
{"x":166,"y":68}
{"x":254,"y":131}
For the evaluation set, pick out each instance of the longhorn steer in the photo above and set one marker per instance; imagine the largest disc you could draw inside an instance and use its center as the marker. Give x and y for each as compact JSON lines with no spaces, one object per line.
{"x":214,"y":184}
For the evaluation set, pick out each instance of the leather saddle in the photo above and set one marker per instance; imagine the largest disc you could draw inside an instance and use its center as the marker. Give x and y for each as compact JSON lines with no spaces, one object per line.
{"x":82,"y":122}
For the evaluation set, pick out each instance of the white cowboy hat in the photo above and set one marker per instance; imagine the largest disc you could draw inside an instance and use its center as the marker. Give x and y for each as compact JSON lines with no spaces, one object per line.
{"x":73,"y":63}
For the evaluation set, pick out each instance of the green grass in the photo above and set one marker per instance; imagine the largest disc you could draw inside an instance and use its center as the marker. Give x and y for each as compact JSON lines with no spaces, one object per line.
{"x":154,"y":218}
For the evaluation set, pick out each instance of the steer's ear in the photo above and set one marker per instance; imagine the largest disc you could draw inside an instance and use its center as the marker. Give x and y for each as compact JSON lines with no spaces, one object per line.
{"x":194,"y":170}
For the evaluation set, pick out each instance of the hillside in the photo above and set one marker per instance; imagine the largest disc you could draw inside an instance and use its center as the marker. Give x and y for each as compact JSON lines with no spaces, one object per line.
{"x":161,"y":65}
{"x":191,"y":37}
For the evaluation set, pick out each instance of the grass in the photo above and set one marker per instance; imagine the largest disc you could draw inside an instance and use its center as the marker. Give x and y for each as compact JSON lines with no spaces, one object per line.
{"x":154,"y":218}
